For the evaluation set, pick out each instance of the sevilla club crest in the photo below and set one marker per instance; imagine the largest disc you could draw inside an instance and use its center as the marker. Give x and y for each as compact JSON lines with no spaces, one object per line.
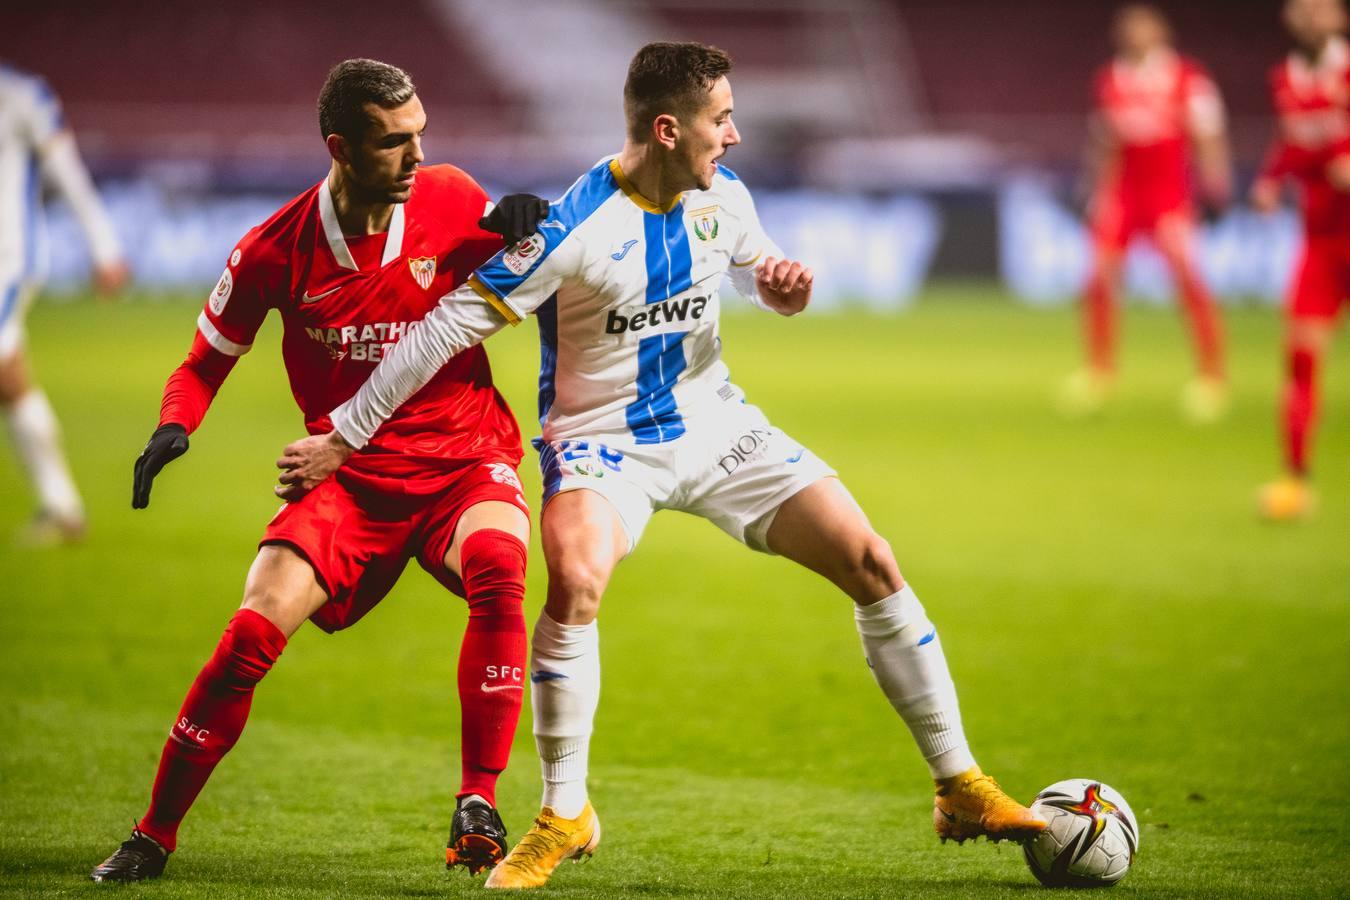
{"x":423,"y":270}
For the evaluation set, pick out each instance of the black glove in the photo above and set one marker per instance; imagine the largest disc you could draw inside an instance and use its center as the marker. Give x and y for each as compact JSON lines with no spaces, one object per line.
{"x":516,"y":216}
{"x":167,"y":444}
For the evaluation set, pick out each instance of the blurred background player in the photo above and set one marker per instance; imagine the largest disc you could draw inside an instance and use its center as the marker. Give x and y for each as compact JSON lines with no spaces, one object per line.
{"x":1311,"y":89}
{"x":37,"y":149}
{"x":1153,"y":105}
{"x":350,"y":265}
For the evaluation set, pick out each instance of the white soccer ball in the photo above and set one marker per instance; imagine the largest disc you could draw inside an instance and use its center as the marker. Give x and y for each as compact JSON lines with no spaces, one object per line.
{"x":1091,"y":837}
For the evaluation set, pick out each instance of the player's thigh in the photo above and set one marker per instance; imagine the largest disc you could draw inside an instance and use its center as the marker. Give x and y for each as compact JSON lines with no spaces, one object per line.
{"x":824,"y":529}
{"x":356,"y":542}
{"x":282,"y":587}
{"x":1172,"y":233}
{"x":584,"y":538}
{"x":487,"y":496}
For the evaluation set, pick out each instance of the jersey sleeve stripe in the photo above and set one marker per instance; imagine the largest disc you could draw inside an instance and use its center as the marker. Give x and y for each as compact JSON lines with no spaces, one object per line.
{"x":218,"y":340}
{"x":749,"y":262}
{"x":509,"y":314}
{"x":582,"y":199}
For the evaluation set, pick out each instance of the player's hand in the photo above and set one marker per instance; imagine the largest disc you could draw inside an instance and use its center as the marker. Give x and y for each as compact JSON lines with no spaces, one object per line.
{"x":111,"y":278}
{"x":1265,"y":195}
{"x":307,"y":462}
{"x":784,"y":285}
{"x":167,"y":444}
{"x":515,"y":217}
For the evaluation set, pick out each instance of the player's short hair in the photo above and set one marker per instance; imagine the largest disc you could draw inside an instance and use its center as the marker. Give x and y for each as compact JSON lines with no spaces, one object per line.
{"x":353,"y":83}
{"x":673,"y":78}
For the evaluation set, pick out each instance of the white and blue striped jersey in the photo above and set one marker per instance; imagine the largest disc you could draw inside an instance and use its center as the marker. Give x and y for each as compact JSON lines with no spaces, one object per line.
{"x":36,"y":147}
{"x":30,"y":116}
{"x":627,"y":300}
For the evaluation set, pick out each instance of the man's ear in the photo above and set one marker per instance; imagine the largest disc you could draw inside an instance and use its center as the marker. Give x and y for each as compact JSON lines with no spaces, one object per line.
{"x":666,"y":130}
{"x":337,"y":148}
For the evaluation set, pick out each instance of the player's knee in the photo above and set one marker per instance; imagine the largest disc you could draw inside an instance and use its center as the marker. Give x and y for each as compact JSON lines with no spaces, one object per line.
{"x":574,"y":589}
{"x":492,"y":566}
{"x":247,"y":650}
{"x":873,"y":567}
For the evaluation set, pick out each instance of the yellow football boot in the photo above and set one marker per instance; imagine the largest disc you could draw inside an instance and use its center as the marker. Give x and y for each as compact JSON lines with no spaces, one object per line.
{"x":551,"y":840}
{"x":972,"y":804}
{"x":1286,"y":500}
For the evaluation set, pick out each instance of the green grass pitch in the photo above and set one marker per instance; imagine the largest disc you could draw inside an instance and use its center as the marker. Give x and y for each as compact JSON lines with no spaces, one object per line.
{"x":1109,"y":603}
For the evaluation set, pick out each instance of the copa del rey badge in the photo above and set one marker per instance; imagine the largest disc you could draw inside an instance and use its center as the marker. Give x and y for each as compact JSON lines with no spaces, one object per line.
{"x":523,"y":255}
{"x":423,"y":270}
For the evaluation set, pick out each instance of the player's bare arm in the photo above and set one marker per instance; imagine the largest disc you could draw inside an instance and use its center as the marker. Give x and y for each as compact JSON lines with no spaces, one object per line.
{"x":784,"y":285}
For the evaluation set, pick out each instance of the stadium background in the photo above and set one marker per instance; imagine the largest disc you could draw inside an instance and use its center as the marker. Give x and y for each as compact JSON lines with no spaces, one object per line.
{"x":1111,"y":606}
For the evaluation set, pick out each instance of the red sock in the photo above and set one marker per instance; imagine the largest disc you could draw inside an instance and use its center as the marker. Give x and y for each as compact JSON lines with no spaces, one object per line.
{"x":211,"y":720}
{"x":1099,"y":322}
{"x":1300,"y":407}
{"x":492,"y":657}
{"x":1206,"y":330}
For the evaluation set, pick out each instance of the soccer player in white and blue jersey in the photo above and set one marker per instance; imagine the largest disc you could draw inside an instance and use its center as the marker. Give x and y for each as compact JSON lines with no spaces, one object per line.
{"x":639,"y":414}
{"x":37,"y":147}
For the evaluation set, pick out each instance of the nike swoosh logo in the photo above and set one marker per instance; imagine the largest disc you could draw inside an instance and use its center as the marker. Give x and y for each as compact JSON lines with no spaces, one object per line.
{"x":796,"y":457}
{"x":624,"y":252}
{"x":950,"y":817}
{"x":306,"y":298}
{"x":558,"y":225}
{"x":537,"y":677}
{"x":488,"y":689}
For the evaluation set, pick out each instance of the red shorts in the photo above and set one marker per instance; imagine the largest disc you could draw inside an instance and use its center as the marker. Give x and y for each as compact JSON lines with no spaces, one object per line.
{"x":1117,"y":217}
{"x":359,"y":540}
{"x":1322,"y":279}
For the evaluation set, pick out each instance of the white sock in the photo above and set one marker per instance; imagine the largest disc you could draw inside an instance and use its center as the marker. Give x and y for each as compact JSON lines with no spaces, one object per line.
{"x":37,"y":437}
{"x":905,"y":655}
{"x":565,"y":691}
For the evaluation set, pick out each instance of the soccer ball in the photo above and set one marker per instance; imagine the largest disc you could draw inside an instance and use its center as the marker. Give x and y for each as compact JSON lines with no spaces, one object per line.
{"x":1090,"y":839}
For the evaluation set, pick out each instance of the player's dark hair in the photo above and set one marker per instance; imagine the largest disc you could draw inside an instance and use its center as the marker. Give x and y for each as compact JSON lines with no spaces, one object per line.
{"x":670,"y":78}
{"x":352,"y":84}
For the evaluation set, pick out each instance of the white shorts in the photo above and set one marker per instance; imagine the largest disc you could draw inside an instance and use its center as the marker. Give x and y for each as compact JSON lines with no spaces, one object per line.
{"x":735,"y":471}
{"x":14,"y":301}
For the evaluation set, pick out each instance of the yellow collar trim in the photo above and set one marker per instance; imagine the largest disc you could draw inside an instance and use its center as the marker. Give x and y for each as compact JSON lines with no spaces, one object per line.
{"x":640,"y":201}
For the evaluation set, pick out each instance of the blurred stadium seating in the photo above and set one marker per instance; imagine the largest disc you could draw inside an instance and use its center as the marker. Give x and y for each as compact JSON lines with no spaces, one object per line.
{"x":960,"y":121}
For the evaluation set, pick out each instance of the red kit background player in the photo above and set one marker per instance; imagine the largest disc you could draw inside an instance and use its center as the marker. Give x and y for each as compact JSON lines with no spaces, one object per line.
{"x":1311,"y":91}
{"x":1153,"y":107}
{"x":350,"y":265}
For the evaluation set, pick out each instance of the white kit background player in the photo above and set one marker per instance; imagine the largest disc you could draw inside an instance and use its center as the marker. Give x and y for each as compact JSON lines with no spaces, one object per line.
{"x":37,"y":149}
{"x":623,"y":279}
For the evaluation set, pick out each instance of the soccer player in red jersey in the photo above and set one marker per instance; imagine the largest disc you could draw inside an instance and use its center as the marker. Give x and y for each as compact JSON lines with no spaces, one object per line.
{"x":1153,"y":106}
{"x":351,"y":264}
{"x":1312,"y":98}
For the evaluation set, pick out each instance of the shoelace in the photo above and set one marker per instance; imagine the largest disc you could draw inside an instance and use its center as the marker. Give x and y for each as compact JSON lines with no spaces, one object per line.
{"x":476,"y":818}
{"x":534,"y":846}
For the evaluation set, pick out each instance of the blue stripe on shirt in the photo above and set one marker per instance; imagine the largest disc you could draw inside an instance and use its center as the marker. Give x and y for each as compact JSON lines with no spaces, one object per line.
{"x":653,"y":417}
{"x":547,"y":317}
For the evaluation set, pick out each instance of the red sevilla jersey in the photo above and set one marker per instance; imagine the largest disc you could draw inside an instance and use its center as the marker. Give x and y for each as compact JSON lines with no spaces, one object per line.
{"x":1311,"y":101}
{"x":1152,"y":110}
{"x":344,"y":301}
